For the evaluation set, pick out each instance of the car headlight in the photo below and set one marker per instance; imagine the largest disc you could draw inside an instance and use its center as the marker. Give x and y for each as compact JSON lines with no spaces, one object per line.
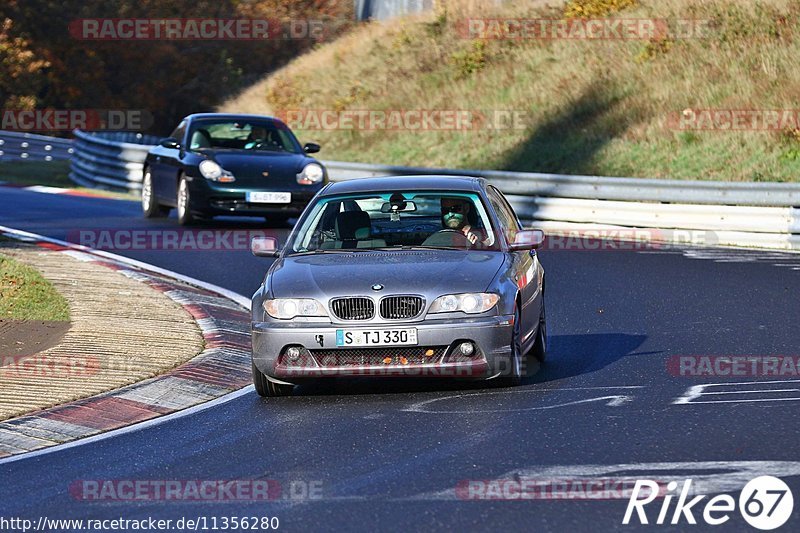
{"x":312,"y":173}
{"x":286,"y":308}
{"x":211,"y":170}
{"x":471,"y":302}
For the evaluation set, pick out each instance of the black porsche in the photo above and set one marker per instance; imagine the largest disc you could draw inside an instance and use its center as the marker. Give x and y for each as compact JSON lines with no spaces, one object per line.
{"x":222,"y":164}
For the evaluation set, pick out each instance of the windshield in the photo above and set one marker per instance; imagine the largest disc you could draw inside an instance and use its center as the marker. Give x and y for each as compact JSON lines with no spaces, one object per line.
{"x":250,"y":135}
{"x":396,"y":220}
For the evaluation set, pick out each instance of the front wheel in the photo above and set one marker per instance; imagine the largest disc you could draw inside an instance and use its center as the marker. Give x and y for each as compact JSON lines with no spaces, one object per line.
{"x":539,"y":350}
{"x":266,"y":388}
{"x":150,"y":207}
{"x":513,"y":375}
{"x":185,"y":216}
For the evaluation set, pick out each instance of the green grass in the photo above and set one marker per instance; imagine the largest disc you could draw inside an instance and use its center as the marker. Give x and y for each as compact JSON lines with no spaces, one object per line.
{"x":590,"y":107}
{"x":50,"y":174}
{"x":26,"y":295}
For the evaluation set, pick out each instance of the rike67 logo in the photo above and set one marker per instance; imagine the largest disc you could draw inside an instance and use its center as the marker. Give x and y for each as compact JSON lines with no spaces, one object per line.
{"x":765,"y":503}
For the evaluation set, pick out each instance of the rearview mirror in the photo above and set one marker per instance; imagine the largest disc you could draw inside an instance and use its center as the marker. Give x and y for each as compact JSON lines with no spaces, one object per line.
{"x":311,"y":148}
{"x":528,"y":239}
{"x":264,"y":246}
{"x":170,"y":142}
{"x":401,"y":207}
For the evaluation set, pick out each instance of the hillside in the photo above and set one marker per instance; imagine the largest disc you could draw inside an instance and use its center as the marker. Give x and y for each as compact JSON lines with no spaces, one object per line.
{"x":627,"y":107}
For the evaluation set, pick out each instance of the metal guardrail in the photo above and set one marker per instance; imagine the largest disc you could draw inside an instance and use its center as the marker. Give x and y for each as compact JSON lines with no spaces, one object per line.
{"x":699,"y":212}
{"x":110,"y":159}
{"x":761,"y":215}
{"x":601,"y":188}
{"x":19,"y":146}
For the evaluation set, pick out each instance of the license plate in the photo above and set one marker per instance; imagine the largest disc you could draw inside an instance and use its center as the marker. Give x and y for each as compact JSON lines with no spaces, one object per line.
{"x":269,"y":197}
{"x":376,"y":337}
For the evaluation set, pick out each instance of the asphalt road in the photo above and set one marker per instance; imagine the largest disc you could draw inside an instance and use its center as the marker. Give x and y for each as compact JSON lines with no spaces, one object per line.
{"x":390,"y":455}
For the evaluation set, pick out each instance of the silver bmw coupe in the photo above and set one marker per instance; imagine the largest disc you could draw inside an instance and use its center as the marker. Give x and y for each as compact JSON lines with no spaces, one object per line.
{"x":417,"y":276}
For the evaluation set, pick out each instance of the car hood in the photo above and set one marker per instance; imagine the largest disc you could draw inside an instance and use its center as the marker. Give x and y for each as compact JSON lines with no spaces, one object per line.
{"x":250,"y":167}
{"x":429,"y":273}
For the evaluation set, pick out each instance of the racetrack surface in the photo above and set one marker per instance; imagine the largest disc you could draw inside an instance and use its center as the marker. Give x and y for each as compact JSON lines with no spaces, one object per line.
{"x":390,"y":454}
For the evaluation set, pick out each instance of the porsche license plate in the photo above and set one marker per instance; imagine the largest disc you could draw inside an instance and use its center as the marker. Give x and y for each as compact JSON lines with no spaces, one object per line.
{"x":269,"y":197}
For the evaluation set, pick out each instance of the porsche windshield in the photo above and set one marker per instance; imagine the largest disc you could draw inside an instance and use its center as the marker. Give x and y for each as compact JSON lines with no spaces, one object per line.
{"x":250,"y":135}
{"x":397,"y":220}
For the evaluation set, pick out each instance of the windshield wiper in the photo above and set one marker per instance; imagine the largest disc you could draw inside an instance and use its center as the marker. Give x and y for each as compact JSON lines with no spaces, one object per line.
{"x":334,"y":251}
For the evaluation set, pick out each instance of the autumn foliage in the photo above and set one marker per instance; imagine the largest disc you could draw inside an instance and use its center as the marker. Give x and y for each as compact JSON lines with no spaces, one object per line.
{"x":43,"y":66}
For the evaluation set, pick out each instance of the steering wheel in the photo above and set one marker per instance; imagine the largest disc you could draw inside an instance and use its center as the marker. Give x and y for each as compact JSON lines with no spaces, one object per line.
{"x":453,"y":237}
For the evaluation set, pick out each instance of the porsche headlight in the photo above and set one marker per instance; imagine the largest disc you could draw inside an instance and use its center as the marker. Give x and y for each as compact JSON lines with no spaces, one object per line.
{"x":286,"y":308}
{"x":471,"y":303}
{"x":312,"y":173}
{"x":211,"y":170}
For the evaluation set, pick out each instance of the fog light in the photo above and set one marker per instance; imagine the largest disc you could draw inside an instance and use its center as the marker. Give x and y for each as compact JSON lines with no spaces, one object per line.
{"x":466,"y":348}
{"x":293,"y":353}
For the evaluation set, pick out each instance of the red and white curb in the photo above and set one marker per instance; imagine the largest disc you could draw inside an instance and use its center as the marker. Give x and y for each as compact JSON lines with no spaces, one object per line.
{"x":221,"y":368}
{"x":57,"y":190}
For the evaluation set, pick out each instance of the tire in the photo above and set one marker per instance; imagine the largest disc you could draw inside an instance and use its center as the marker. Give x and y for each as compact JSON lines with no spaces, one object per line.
{"x":539,"y":350}
{"x":185,"y":216}
{"x":150,"y":207}
{"x":515,"y":378}
{"x":266,"y":388}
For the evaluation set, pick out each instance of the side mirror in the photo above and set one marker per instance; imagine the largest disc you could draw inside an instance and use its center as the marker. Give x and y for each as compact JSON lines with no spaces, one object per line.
{"x":311,"y":148}
{"x":264,"y":246}
{"x":170,"y":142}
{"x":528,"y":239}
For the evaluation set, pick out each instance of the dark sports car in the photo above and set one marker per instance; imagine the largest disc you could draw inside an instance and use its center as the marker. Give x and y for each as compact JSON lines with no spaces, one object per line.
{"x":219,"y":164}
{"x":403,"y":276}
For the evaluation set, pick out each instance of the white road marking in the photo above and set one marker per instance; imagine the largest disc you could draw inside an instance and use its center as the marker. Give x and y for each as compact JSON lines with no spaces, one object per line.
{"x":728,"y":476}
{"x":615,"y":400}
{"x":698,"y":391}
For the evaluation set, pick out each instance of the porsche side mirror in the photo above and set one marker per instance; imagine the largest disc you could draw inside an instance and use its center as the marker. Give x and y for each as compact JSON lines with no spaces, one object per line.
{"x":170,"y":142}
{"x":311,"y":148}
{"x":528,"y":239}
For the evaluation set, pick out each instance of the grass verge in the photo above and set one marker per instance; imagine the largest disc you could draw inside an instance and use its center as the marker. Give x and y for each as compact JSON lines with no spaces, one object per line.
{"x":606,"y":107}
{"x":50,"y":174}
{"x":26,"y":295}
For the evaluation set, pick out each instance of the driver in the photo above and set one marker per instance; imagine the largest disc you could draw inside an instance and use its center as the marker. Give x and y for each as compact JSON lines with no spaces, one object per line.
{"x":258,"y":135}
{"x":454,"y":217}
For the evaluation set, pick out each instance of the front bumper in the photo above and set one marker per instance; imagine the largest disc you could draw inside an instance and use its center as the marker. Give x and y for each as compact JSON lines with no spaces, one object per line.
{"x":218,"y":199}
{"x":435,"y":355}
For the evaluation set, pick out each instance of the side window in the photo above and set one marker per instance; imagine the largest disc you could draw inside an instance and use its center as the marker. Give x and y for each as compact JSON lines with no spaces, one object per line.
{"x":179,"y":132}
{"x":508,"y":219}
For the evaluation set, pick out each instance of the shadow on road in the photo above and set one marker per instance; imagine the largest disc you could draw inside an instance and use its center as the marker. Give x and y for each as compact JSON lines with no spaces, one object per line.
{"x":568,"y":356}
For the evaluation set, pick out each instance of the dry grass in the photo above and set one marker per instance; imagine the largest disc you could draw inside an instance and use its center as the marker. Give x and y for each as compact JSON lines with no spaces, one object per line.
{"x":592,"y":107}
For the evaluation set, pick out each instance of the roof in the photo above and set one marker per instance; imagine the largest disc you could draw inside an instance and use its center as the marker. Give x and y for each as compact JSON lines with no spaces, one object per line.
{"x":229,"y":116}
{"x":406,"y":183}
